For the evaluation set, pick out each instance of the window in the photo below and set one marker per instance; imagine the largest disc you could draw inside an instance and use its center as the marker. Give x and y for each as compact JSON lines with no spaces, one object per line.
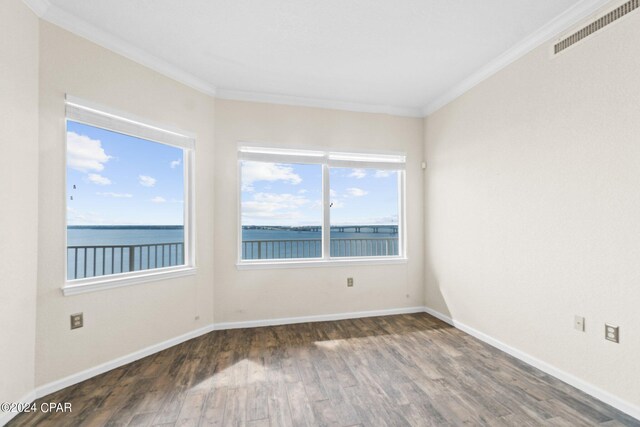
{"x":281,"y":210}
{"x":315,"y":206}
{"x":365,"y":206}
{"x":128,"y":197}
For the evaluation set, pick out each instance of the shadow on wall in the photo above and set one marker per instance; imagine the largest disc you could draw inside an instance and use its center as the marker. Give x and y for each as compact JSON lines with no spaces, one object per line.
{"x":434,"y":298}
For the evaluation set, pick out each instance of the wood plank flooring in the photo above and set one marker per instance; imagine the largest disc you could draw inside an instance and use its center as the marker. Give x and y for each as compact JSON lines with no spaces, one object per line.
{"x":396,"y":371}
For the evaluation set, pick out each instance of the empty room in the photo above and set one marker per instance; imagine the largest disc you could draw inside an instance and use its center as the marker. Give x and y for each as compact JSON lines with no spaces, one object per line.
{"x":320,"y":213}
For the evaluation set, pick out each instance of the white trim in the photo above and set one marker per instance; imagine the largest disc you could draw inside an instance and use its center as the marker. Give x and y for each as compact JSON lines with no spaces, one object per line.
{"x":27,"y":399}
{"x":319,"y":262}
{"x":39,"y":7}
{"x":102,"y":117}
{"x":326,"y":216}
{"x":402,"y":214}
{"x":189,"y":208}
{"x":56,"y":15}
{"x":72,"y":379}
{"x":335,"y":159}
{"x":600,"y":394}
{"x":316,"y":318}
{"x":395,"y":161}
{"x":97,"y":115}
{"x":100,"y":283}
{"x":303,"y":101}
{"x":248,"y":149}
{"x":561,"y":23}
{"x":52,"y":13}
{"x":118,"y":362}
{"x":606,"y":397}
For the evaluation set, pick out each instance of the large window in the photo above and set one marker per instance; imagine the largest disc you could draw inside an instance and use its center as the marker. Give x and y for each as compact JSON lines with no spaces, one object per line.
{"x":301,"y":206}
{"x":128,"y":197}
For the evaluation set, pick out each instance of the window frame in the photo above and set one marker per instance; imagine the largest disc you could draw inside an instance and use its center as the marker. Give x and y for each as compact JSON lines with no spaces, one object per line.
{"x":328,"y":160}
{"x":91,"y":114}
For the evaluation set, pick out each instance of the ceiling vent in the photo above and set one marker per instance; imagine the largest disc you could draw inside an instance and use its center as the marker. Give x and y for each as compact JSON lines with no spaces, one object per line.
{"x":597,"y":25}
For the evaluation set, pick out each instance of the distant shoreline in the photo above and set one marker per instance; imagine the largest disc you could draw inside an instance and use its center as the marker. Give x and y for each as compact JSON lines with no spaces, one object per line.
{"x":177,"y":227}
{"x":125,"y":227}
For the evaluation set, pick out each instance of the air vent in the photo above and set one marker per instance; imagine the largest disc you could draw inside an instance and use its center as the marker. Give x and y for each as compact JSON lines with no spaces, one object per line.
{"x":597,"y":25}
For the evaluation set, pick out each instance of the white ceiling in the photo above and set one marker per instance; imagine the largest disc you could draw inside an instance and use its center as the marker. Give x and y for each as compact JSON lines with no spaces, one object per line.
{"x":404,"y":57}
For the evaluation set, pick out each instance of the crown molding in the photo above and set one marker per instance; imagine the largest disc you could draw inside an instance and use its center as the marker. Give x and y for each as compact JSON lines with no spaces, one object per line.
{"x":558,"y":25}
{"x":39,"y":7}
{"x":301,"y":101}
{"x":51,"y":13}
{"x":57,"y":16}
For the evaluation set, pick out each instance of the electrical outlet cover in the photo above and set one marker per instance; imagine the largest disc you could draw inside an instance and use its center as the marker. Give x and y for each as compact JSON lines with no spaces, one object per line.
{"x":612,"y":333}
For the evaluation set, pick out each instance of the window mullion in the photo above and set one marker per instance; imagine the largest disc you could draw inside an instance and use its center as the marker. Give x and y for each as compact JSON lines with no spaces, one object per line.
{"x":326,"y":213}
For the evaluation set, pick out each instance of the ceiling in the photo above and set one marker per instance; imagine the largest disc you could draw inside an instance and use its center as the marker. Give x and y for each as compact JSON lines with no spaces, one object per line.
{"x":405,"y":57}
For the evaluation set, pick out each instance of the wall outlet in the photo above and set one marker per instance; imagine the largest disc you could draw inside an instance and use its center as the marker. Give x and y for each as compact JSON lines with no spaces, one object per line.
{"x":77,"y":321}
{"x":350,"y":282}
{"x":578,"y":323}
{"x":612,"y":333}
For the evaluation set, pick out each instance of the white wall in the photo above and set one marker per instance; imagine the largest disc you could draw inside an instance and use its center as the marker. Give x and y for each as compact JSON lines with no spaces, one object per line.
{"x":273,"y":294}
{"x":533,"y":207}
{"x":19,"y":212}
{"x":117,"y":321}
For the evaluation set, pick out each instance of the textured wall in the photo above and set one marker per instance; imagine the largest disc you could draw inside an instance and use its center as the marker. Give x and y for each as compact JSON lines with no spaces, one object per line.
{"x":123,"y":320}
{"x":278,"y":293}
{"x":533,"y":207}
{"x":19,"y":191}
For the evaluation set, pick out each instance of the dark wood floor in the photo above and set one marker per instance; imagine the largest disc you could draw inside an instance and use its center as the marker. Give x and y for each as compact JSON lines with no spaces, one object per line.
{"x":396,"y":370}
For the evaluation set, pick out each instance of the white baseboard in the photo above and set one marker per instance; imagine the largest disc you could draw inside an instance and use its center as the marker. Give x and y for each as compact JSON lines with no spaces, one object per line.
{"x":600,"y":394}
{"x":5,"y":417}
{"x":116,"y":363}
{"x":586,"y":387}
{"x":120,"y":361}
{"x":317,"y":318}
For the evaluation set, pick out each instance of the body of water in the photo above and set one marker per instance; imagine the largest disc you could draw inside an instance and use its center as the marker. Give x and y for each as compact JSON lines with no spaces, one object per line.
{"x":103,"y":250}
{"x":123,"y":235}
{"x":138,"y":235}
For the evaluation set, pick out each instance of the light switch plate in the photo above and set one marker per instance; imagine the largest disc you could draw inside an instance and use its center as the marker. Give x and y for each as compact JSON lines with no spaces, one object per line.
{"x":578,"y":323}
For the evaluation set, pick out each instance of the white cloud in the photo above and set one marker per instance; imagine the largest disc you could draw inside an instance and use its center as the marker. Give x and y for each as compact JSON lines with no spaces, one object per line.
{"x":85,"y":154}
{"x":98,"y":179}
{"x":75,"y":217}
{"x":357,"y":173}
{"x":78,"y":217}
{"x":261,"y":171}
{"x":146,"y":181}
{"x":356,"y":192}
{"x":285,"y":199}
{"x":159,"y":199}
{"x":174,"y":164}
{"x":116,"y":195}
{"x":302,"y":191}
{"x":383,"y":173}
{"x":333,"y":193}
{"x":274,"y":206}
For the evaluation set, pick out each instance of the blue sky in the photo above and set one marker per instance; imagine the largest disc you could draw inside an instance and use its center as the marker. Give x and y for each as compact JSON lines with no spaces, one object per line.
{"x":291,"y":194}
{"x":122,"y":180}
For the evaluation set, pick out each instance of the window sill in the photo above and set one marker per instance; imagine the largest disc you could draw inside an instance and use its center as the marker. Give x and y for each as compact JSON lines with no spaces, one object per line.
{"x":94,"y":284}
{"x":334,"y":262}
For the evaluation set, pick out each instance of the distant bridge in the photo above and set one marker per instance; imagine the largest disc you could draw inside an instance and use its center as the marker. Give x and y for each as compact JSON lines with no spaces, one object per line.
{"x":392,"y":229}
